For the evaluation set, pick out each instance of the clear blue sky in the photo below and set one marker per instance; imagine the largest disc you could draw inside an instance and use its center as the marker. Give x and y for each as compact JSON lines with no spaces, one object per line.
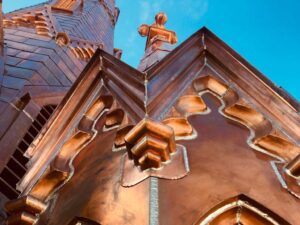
{"x":264,"y":32}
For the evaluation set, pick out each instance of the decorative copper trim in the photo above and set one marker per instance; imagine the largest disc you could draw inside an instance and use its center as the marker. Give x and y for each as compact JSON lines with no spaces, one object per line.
{"x":40,"y":20}
{"x":190,"y":105}
{"x":150,"y":143}
{"x":114,"y":118}
{"x":120,"y":137}
{"x":94,"y":107}
{"x":177,"y":118}
{"x":180,"y":125}
{"x":26,"y":203}
{"x":262,"y":138}
{"x":24,"y":210}
{"x":83,"y":101}
{"x":176,"y":168}
{"x":62,"y":39}
{"x":51,"y":180}
{"x":61,"y":169}
{"x":45,"y":24}
{"x":121,"y":79}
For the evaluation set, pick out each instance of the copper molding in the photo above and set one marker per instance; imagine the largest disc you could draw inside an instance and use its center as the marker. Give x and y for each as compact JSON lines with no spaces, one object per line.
{"x":24,"y":210}
{"x":176,"y":168}
{"x":150,"y":143}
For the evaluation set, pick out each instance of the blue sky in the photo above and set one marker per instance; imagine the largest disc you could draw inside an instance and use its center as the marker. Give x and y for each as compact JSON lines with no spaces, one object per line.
{"x":264,"y":32}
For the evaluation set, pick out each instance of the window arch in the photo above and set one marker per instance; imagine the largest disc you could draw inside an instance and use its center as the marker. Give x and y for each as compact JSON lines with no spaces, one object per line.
{"x":83,"y":221}
{"x":240,"y":210}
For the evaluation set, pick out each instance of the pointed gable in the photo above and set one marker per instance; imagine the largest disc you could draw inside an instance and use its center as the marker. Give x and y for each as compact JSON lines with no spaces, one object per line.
{"x":179,"y":121}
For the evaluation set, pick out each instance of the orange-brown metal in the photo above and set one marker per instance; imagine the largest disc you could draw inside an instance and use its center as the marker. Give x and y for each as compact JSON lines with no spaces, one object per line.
{"x":200,"y":137}
{"x":157,"y":29}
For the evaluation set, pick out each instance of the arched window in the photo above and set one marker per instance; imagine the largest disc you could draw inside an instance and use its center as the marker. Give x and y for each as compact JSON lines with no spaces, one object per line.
{"x":83,"y":221}
{"x":240,"y":210}
{"x":16,"y":166}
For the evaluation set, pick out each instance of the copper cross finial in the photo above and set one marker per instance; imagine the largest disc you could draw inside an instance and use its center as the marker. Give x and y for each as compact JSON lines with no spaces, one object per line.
{"x":157,"y":29}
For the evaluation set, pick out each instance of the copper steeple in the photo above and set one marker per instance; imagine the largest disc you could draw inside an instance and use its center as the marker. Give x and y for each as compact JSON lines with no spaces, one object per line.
{"x":159,"y":42}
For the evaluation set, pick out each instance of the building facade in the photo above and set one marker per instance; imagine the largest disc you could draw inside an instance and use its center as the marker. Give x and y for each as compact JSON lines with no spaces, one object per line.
{"x":194,"y":135}
{"x":43,"y":51}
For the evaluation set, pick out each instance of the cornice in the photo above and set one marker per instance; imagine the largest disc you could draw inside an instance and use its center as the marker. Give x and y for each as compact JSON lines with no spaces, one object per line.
{"x":211,"y":45}
{"x":214,"y":44}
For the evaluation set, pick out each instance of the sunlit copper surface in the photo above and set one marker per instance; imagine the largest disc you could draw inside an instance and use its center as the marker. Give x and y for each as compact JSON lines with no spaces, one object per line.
{"x":190,"y":104}
{"x":26,"y":203}
{"x":62,"y":39}
{"x":120,"y":135}
{"x":45,"y":187}
{"x":239,"y":170}
{"x":176,"y":168}
{"x":180,"y":125}
{"x":208,"y":139}
{"x":240,"y":210}
{"x":114,"y":118}
{"x":99,"y":166}
{"x":22,"y":219}
{"x":158,"y":29}
{"x":24,"y":210}
{"x":275,"y":144}
{"x":150,"y":143}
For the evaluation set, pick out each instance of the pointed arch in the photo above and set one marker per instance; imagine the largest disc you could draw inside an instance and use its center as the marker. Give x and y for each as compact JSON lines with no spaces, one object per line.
{"x":240,"y":210}
{"x":83,"y":221}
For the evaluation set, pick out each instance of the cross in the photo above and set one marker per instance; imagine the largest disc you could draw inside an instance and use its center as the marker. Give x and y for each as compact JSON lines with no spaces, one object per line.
{"x":157,"y":29}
